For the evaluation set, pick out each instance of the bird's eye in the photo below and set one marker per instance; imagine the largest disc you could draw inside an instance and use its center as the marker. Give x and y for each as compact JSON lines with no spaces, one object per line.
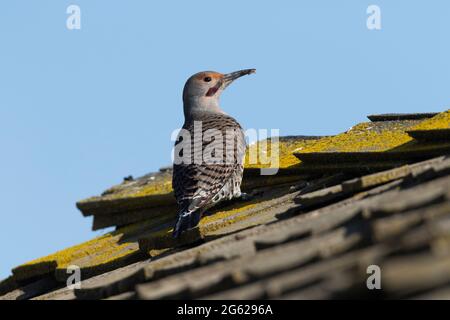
{"x":207,"y":79}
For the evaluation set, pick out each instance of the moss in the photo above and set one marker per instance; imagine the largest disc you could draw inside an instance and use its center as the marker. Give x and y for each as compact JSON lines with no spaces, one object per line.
{"x":434,"y":129}
{"x":163,"y":239}
{"x":376,"y":142}
{"x":156,"y":190}
{"x":98,"y":251}
{"x":158,"y":242}
{"x":164,"y":187}
{"x":364,"y":137}
{"x":162,"y":184}
{"x":439,"y":121}
{"x":285,"y":148}
{"x":225,"y":214}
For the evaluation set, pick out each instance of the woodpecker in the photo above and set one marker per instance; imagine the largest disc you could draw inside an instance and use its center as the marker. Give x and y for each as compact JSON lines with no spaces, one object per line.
{"x":209,"y":150}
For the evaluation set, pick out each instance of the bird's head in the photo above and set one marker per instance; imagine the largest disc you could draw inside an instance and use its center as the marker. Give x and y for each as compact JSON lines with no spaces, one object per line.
{"x":202,"y":90}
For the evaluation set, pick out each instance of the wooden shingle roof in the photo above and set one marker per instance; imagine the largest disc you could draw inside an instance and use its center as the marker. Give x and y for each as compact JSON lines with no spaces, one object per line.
{"x":377,"y":194}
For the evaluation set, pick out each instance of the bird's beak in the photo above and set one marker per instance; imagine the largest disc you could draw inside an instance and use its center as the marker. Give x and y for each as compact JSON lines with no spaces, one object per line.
{"x":230,"y":77}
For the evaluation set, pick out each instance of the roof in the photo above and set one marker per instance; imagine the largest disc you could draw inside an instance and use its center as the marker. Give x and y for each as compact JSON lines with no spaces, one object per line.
{"x":377,"y":194}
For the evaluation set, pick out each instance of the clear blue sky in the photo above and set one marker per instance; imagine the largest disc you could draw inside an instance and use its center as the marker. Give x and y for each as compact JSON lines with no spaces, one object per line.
{"x":81,"y":109}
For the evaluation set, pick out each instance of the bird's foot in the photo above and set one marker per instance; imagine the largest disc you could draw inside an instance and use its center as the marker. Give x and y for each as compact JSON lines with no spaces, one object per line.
{"x":244,"y":197}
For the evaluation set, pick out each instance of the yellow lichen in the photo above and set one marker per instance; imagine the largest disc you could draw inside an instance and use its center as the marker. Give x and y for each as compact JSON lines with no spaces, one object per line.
{"x":204,"y":223}
{"x":209,"y":225}
{"x":362,"y":138}
{"x":263,"y":153}
{"x":164,"y":187}
{"x":439,"y":121}
{"x":224,"y":214}
{"x":100,"y":250}
{"x":129,"y":196}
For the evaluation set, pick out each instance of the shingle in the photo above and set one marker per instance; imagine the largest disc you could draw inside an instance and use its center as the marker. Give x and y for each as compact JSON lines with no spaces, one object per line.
{"x":101,"y":254}
{"x":434,"y":129}
{"x":31,"y":290}
{"x":167,"y":213}
{"x":326,"y":288}
{"x":158,"y":215}
{"x":112,"y":283}
{"x":362,"y":142}
{"x":401,"y":116}
{"x":101,"y":286}
{"x":339,"y":210}
{"x":155,"y":189}
{"x":130,"y":295}
{"x":282,"y":284}
{"x":396,"y":224}
{"x":323,"y":182}
{"x":285,"y":147}
{"x":280,"y":228}
{"x":124,"y":205}
{"x":309,"y":231}
{"x":431,"y":135}
{"x":215,"y":277}
{"x":265,"y":210}
{"x":375,"y":142}
{"x":436,"y":294}
{"x":360,"y":183}
{"x":220,"y":222}
{"x":60,"y":294}
{"x":279,"y":286}
{"x":7,"y":285}
{"x":412,"y":197}
{"x":439,"y":121}
{"x":149,"y":191}
{"x":357,"y":167}
{"x":228,"y":248}
{"x":404,"y":276}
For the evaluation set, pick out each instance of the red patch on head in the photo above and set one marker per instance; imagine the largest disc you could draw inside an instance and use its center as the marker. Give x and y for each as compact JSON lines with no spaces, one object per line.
{"x":212,"y":91}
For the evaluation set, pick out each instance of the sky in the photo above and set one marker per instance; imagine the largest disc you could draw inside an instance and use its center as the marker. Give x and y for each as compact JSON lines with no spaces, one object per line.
{"x":81,"y":109}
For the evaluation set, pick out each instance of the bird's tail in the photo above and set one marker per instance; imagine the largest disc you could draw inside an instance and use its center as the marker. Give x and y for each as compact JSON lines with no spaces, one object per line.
{"x":186,"y":220}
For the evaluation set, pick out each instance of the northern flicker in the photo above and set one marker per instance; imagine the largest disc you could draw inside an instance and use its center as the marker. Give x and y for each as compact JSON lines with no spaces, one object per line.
{"x":212,"y":147}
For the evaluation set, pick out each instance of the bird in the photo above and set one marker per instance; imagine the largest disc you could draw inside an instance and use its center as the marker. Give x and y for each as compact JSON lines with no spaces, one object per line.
{"x":209,"y":150}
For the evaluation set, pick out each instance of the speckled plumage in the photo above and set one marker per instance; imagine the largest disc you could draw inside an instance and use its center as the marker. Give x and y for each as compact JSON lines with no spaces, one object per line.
{"x":199,"y":185}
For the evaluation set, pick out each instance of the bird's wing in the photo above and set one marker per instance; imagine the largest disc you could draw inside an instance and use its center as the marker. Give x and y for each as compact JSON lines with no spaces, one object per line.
{"x":196,"y":184}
